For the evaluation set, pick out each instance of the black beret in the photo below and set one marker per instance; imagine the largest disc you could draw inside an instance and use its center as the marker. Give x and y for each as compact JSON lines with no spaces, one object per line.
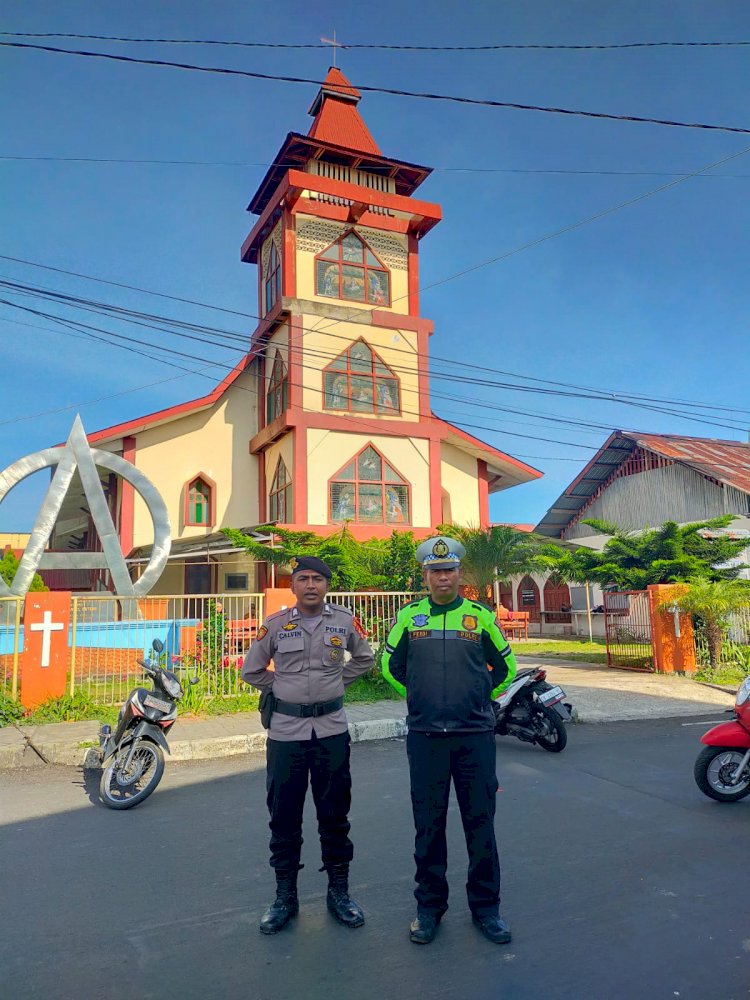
{"x":312,"y":564}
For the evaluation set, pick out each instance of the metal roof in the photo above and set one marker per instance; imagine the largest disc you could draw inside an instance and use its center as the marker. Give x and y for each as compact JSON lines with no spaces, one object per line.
{"x":727,"y":462}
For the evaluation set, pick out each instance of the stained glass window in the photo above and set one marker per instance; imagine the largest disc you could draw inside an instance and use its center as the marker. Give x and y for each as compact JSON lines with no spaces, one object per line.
{"x":349,"y":269}
{"x":278,"y":390}
{"x":368,"y":490}
{"x":272,"y":282}
{"x":199,"y":502}
{"x":359,"y":381}
{"x":280,"y":497}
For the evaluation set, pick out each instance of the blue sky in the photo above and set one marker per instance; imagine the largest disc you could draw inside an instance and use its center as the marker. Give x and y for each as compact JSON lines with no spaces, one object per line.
{"x":651,"y":299}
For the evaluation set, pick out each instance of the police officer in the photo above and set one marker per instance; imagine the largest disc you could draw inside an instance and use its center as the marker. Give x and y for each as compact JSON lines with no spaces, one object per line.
{"x":449,"y":657}
{"x":308,"y":735}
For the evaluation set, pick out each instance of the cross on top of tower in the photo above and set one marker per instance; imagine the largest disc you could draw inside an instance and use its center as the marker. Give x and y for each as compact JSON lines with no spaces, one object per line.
{"x":334,"y":44}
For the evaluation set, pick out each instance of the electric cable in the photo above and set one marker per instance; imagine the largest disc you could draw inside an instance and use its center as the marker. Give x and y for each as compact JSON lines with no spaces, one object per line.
{"x":389,"y":91}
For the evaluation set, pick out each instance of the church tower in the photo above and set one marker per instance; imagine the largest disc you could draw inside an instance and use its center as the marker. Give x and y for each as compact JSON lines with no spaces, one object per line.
{"x":346,"y":433}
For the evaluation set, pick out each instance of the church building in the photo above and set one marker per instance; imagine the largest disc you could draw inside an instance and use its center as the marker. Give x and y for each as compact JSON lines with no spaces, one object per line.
{"x":327,"y":419}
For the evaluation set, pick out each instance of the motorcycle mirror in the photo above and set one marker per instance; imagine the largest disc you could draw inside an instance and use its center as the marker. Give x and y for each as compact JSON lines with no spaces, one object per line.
{"x":158,"y":645}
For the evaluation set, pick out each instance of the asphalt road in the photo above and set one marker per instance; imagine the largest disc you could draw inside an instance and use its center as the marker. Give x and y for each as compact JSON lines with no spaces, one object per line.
{"x":620,"y":881}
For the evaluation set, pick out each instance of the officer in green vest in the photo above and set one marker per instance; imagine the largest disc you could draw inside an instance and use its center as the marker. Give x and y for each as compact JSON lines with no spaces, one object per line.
{"x":449,"y":657}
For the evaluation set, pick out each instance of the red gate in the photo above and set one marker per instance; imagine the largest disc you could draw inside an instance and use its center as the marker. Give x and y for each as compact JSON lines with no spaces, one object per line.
{"x":628,"y":630}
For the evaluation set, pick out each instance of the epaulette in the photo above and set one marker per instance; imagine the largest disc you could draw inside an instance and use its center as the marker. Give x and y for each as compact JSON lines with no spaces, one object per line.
{"x":481,"y":607}
{"x":340,"y":607}
{"x":277,"y":614}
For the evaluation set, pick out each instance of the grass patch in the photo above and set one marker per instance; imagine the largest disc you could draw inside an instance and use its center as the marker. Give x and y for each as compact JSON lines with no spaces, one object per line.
{"x":729,"y":675}
{"x":577,"y":650}
{"x":372,"y":686}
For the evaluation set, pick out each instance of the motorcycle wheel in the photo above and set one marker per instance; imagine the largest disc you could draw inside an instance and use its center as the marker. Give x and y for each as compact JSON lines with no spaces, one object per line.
{"x":123,"y":790}
{"x":713,"y":771}
{"x":553,"y":735}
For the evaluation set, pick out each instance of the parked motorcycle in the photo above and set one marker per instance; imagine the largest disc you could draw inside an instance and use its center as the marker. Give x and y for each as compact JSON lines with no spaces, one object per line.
{"x":722,"y":770}
{"x":533,"y":710}
{"x":132,"y":757}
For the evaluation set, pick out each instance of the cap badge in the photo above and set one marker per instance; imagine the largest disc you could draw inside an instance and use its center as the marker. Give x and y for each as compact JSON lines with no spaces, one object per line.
{"x":440,"y":549}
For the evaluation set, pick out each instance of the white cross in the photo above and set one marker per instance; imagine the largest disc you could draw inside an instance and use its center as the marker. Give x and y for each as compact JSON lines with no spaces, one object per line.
{"x":335,"y":45}
{"x":47,"y":628}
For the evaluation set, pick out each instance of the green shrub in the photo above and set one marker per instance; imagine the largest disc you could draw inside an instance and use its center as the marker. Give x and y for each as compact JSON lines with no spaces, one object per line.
{"x":10,"y":711}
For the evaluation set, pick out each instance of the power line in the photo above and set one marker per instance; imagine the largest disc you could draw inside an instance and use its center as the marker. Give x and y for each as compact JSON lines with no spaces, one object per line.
{"x":390,"y":91}
{"x":588,"y":47}
{"x":452,"y":376}
{"x":603,"y":394}
{"x":468,"y":170}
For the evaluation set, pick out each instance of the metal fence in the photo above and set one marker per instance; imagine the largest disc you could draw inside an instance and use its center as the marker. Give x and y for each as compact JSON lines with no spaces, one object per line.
{"x":374,"y":610}
{"x":627,"y":622}
{"x":204,"y":635}
{"x":736,"y":646}
{"x":11,"y":643}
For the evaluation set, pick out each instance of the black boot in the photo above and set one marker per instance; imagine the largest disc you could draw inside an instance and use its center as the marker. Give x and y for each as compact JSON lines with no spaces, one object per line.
{"x":339,"y":902}
{"x":284,"y":907}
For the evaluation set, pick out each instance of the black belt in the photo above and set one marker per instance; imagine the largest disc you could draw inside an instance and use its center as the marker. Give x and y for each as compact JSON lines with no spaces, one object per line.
{"x":308,"y":711}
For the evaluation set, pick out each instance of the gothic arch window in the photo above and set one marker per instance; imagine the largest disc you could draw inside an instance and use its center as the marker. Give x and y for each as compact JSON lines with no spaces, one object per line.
{"x":200,"y":501}
{"x":277,"y":396}
{"x":280,"y":496}
{"x":528,"y":598}
{"x":272,"y":279}
{"x":358,"y":381}
{"x":348,"y":269}
{"x":369,"y":490}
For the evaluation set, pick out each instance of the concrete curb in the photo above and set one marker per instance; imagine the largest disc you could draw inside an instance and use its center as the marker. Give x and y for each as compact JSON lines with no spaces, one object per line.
{"x":69,"y":755}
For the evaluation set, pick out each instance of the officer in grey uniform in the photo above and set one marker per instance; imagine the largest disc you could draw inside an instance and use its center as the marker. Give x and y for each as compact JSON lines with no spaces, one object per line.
{"x":308,"y":735}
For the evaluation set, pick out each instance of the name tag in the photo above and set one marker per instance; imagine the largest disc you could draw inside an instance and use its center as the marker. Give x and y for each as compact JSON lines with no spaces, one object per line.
{"x":470,"y":636}
{"x":423,"y":633}
{"x":336,"y":631}
{"x":296,"y":634}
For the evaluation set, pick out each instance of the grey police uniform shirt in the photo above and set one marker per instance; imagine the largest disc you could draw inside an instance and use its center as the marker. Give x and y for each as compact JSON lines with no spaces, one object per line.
{"x":309,"y":667}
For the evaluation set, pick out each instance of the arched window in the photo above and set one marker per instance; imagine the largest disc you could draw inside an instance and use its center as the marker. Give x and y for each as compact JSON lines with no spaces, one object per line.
{"x":278,"y":390}
{"x":359,"y":381}
{"x":528,"y":598}
{"x":272,"y":281}
{"x":200,"y":503}
{"x":368,"y":490}
{"x":349,"y":269}
{"x":280,"y":497}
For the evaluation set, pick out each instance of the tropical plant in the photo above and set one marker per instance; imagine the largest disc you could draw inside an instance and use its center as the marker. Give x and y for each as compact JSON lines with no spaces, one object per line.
{"x":634,"y":559}
{"x":494,"y":554}
{"x":712,"y":602}
{"x":9,"y":566}
{"x":387,"y":564}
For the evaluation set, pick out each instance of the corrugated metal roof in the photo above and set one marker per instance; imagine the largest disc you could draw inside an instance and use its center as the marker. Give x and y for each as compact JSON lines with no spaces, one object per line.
{"x":727,"y":462}
{"x":336,"y":117}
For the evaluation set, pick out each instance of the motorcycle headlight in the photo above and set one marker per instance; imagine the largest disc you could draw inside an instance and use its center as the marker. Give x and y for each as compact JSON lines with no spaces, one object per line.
{"x":172,"y":686}
{"x":744,"y":692}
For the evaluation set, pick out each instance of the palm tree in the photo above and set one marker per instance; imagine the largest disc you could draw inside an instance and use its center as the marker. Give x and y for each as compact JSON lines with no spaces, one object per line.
{"x":494,"y":554}
{"x":714,"y":603}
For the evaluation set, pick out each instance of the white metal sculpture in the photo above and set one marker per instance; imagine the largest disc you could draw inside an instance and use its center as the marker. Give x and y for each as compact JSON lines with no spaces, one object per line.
{"x":77,"y":454}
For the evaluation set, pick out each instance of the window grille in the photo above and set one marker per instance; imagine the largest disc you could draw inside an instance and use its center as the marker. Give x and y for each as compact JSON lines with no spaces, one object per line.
{"x":358,"y":381}
{"x":368,"y":490}
{"x":348,"y":269}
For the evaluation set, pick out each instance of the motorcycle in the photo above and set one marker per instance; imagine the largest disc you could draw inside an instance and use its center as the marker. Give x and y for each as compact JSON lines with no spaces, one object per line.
{"x":133,"y":756}
{"x":533,"y":710}
{"x":722,"y":770}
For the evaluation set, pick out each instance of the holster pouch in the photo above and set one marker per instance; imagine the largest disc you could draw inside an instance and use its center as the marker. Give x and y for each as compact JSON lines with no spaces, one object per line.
{"x":266,"y":704}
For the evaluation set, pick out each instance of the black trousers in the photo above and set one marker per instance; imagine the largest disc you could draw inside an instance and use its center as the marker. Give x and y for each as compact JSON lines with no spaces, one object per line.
{"x":469,"y":760}
{"x":288,"y":765}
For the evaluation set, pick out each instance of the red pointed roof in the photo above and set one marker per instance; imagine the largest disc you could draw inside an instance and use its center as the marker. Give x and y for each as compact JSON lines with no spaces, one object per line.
{"x":336,"y":117}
